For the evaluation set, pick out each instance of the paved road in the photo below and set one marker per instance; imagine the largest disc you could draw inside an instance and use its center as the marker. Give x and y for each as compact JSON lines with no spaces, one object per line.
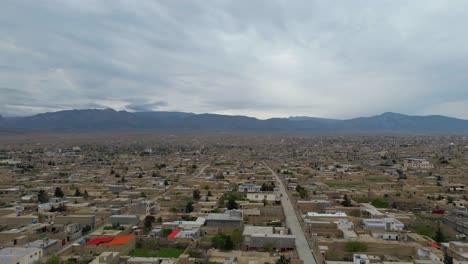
{"x":292,"y":222}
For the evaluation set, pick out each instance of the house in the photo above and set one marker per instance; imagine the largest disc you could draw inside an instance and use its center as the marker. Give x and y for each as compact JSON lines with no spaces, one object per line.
{"x":414,"y":163}
{"x":124,"y":219}
{"x":457,"y":250}
{"x":143,"y":207}
{"x":83,"y":220}
{"x":249,"y":188}
{"x":20,"y":255}
{"x":121,"y":244}
{"x":231,"y":218}
{"x":259,"y":197}
{"x":47,"y":245}
{"x":384,"y":223}
{"x":258,"y":237}
{"x":107,"y":257}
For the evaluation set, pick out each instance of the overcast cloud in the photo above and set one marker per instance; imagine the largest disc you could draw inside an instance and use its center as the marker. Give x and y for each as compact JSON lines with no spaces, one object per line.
{"x":267,"y":58}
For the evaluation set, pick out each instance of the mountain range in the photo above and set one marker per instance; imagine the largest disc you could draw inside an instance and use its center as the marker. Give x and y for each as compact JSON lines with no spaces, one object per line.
{"x":109,"y":119}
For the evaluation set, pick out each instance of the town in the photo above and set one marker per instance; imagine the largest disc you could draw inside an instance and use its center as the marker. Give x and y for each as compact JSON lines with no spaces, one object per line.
{"x":161,"y":198}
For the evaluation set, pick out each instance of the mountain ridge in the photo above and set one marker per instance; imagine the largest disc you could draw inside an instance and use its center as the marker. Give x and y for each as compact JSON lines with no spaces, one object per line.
{"x":110,"y":119}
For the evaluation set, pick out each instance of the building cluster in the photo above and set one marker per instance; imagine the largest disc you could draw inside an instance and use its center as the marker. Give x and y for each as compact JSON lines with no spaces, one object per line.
{"x":215,"y":198}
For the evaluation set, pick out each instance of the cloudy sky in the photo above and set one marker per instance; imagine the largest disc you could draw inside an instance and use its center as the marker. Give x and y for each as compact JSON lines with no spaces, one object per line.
{"x":267,"y":58}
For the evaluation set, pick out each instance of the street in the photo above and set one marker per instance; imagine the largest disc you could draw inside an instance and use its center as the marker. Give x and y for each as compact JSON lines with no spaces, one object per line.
{"x":292,"y":222}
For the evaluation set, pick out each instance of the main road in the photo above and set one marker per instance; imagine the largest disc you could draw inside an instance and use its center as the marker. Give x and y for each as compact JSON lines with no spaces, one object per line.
{"x":292,"y":222}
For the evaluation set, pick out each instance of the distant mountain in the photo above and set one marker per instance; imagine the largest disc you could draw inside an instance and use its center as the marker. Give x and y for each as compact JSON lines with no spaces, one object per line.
{"x":109,"y":119}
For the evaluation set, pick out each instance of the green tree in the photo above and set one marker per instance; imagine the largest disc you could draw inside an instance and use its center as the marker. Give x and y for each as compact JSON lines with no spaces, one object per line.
{"x":223,"y":242}
{"x":232,"y":204}
{"x":159,"y":220}
{"x":268,"y":246}
{"x":148,"y":222}
{"x":85,"y":195}
{"x":379,"y":203}
{"x":189,"y":207}
{"x":42,"y":196}
{"x":166,"y":183}
{"x":53,"y":260}
{"x":448,"y":259}
{"x":439,"y":236}
{"x":356,"y":246}
{"x":236,"y":237}
{"x":77,"y":192}
{"x":449,"y":199}
{"x":196,"y":194}
{"x":228,"y":244}
{"x":58,"y":192}
{"x":346,"y":201}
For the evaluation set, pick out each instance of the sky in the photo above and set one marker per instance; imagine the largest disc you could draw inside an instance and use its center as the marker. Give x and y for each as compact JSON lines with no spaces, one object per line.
{"x":272,"y":58}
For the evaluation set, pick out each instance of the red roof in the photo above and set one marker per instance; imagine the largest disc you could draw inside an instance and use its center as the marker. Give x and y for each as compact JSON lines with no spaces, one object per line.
{"x":121,"y":240}
{"x":99,"y":240}
{"x":434,"y":245}
{"x":173,"y":234}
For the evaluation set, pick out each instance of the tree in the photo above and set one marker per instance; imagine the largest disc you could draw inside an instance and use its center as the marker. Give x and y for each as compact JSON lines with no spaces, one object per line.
{"x":439,"y":236}
{"x":77,"y":192}
{"x":189,"y":207}
{"x":302,"y":191}
{"x":166,"y":183}
{"x":58,"y":193}
{"x":356,"y":246}
{"x":196,"y":194}
{"x":53,"y":260}
{"x":85,"y":195}
{"x":42,"y":196}
{"x":228,"y":244}
{"x":148,"y":222}
{"x":268,"y":246}
{"x":346,"y":201}
{"x":283,"y":260}
{"x":232,"y":204}
{"x":209,"y":193}
{"x":379,"y":203}
{"x":142,"y":195}
{"x":449,"y":199}
{"x":159,"y":220}
{"x":236,"y":237}
{"x":223,"y":242}
{"x":448,"y":259}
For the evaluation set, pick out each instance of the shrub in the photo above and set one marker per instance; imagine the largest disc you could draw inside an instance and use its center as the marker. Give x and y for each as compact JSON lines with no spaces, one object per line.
{"x":356,"y":246}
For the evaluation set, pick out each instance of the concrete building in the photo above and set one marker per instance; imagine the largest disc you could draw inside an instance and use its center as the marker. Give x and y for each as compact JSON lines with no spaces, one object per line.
{"x":83,"y":220}
{"x":47,"y":245}
{"x":257,"y":237}
{"x":414,"y":163}
{"x":20,"y":255}
{"x":124,"y":220}
{"x":249,"y":188}
{"x":143,"y":207}
{"x":231,"y":218}
{"x":383,"y":224}
{"x":457,"y":250}
{"x":107,"y":257}
{"x":259,"y":197}
{"x":361,"y":259}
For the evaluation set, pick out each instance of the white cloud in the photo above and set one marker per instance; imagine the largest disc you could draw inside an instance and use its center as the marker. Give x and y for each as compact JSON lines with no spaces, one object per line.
{"x":262,"y":58}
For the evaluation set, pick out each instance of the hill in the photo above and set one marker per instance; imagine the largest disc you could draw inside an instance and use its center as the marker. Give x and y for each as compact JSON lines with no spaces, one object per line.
{"x":109,"y":119}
